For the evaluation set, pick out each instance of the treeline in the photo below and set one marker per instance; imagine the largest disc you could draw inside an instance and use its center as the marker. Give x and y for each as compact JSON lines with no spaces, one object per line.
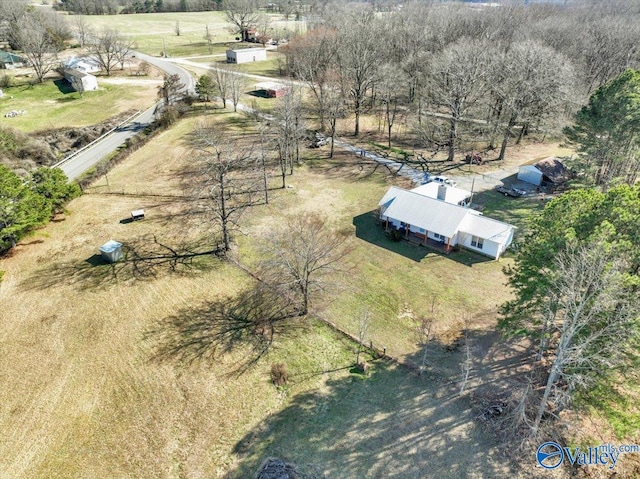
{"x":113,"y":7}
{"x":463,"y":77}
{"x":26,"y":204}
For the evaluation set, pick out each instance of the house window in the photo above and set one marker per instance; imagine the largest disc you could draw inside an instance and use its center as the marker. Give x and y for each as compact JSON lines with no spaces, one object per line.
{"x":477,"y":242}
{"x":422,"y":230}
{"x":439,"y":236}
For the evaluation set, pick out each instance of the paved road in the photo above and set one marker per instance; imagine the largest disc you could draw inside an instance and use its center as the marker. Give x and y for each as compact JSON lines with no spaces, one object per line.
{"x":86,"y":159}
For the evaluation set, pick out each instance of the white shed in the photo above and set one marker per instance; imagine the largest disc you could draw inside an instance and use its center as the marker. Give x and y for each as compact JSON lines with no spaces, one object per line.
{"x":111,"y":251}
{"x":246,"y":55}
{"x":81,"y":80}
{"x":530,"y":174}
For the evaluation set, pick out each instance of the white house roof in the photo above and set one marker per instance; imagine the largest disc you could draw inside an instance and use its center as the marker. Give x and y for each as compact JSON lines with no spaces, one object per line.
{"x":421,"y":211}
{"x":486,"y":228}
{"x":440,"y":217}
{"x":452,"y":195}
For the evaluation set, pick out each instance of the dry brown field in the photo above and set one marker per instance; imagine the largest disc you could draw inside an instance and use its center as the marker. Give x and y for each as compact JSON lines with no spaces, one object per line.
{"x":85,"y":394}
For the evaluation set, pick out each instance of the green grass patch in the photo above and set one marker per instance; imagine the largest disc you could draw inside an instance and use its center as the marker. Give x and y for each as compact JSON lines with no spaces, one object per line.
{"x":51,"y":104}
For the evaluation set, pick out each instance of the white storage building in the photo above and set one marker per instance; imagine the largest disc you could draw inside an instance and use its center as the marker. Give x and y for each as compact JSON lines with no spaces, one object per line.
{"x":530,"y":174}
{"x":246,"y":55}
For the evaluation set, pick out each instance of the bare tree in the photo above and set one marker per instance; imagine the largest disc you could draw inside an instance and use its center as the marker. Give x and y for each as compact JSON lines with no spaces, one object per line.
{"x":124,"y":48}
{"x":312,"y":58}
{"x":243,"y":15}
{"x":358,"y":58}
{"x":227,"y":181}
{"x":222,"y":79}
{"x":176,"y":28}
{"x":170,"y":89}
{"x":456,"y":83}
{"x":391,"y":92}
{"x":289,"y":127}
{"x":363,"y":330}
{"x":105,"y":47}
{"x":237,"y":85}
{"x":302,"y":253}
{"x":82,"y":29}
{"x":595,"y":311}
{"x":530,"y":82}
{"x":36,"y":43}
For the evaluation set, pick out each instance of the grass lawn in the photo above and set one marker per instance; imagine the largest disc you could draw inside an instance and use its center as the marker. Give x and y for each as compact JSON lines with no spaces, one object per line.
{"x":53,"y":104}
{"x":85,"y":392}
{"x":153,"y":32}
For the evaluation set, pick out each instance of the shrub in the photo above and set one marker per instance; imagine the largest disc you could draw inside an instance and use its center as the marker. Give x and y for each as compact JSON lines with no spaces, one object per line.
{"x":5,"y":80}
{"x":279,"y":374}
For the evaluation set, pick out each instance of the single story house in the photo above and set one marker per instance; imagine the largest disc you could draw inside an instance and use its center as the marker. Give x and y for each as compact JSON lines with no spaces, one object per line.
{"x":81,"y":81}
{"x":83,"y":64}
{"x":448,"y":194}
{"x":423,"y":218}
{"x":246,"y":55}
{"x":273,"y":89}
{"x":550,"y":170}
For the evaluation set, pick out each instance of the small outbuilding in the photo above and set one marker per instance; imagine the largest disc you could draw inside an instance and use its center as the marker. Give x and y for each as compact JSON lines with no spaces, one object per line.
{"x":530,"y":174}
{"x":137,"y":215}
{"x":81,"y":81}
{"x":111,"y":251}
{"x":246,"y":55}
{"x":272,"y":89}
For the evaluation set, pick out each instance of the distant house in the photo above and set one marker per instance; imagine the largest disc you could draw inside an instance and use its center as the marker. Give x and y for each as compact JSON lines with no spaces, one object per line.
{"x":83,"y":64}
{"x":550,"y":170}
{"x":246,"y":55}
{"x":81,"y":81}
{"x":448,"y":194}
{"x":10,"y":61}
{"x":272,"y":89}
{"x":424,"y":219}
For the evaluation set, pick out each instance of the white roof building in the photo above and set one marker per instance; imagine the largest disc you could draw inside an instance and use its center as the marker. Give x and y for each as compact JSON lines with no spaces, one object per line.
{"x":419,"y":216}
{"x":448,"y":194}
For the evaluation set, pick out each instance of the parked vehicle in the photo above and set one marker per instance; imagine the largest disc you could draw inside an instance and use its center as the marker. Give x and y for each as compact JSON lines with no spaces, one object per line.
{"x":510,"y":191}
{"x":443,"y":180}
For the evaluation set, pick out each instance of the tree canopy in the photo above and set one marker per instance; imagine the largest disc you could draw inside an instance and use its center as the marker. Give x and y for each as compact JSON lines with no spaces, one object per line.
{"x":26,"y":205}
{"x":606,"y":133}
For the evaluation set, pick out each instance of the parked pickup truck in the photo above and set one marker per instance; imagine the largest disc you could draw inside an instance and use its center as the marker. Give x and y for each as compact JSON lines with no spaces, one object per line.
{"x":510,"y":191}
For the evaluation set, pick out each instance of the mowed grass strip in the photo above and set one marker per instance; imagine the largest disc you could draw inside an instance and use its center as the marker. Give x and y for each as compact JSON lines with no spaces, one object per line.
{"x":54,"y":104}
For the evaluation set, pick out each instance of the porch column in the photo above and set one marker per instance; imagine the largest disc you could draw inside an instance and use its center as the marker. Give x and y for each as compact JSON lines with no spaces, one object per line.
{"x":386,"y":226}
{"x":406,"y":231}
{"x":424,"y":241}
{"x":448,"y":244}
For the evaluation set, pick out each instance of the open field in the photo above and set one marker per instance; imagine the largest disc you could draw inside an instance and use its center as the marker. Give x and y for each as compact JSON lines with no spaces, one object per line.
{"x":155,"y":32}
{"x":53,"y":104}
{"x":85,"y":395}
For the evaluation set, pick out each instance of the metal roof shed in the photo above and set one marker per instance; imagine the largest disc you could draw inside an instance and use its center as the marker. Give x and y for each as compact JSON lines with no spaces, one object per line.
{"x":111,"y":251}
{"x":530,"y":174}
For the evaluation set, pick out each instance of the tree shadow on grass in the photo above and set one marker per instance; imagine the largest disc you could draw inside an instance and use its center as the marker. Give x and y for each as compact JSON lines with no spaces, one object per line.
{"x":251,"y":321}
{"x":391,"y":424}
{"x":143,"y":259}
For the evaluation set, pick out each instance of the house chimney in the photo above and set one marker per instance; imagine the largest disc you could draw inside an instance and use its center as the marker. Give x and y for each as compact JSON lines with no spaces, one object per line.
{"x":442,"y":192}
